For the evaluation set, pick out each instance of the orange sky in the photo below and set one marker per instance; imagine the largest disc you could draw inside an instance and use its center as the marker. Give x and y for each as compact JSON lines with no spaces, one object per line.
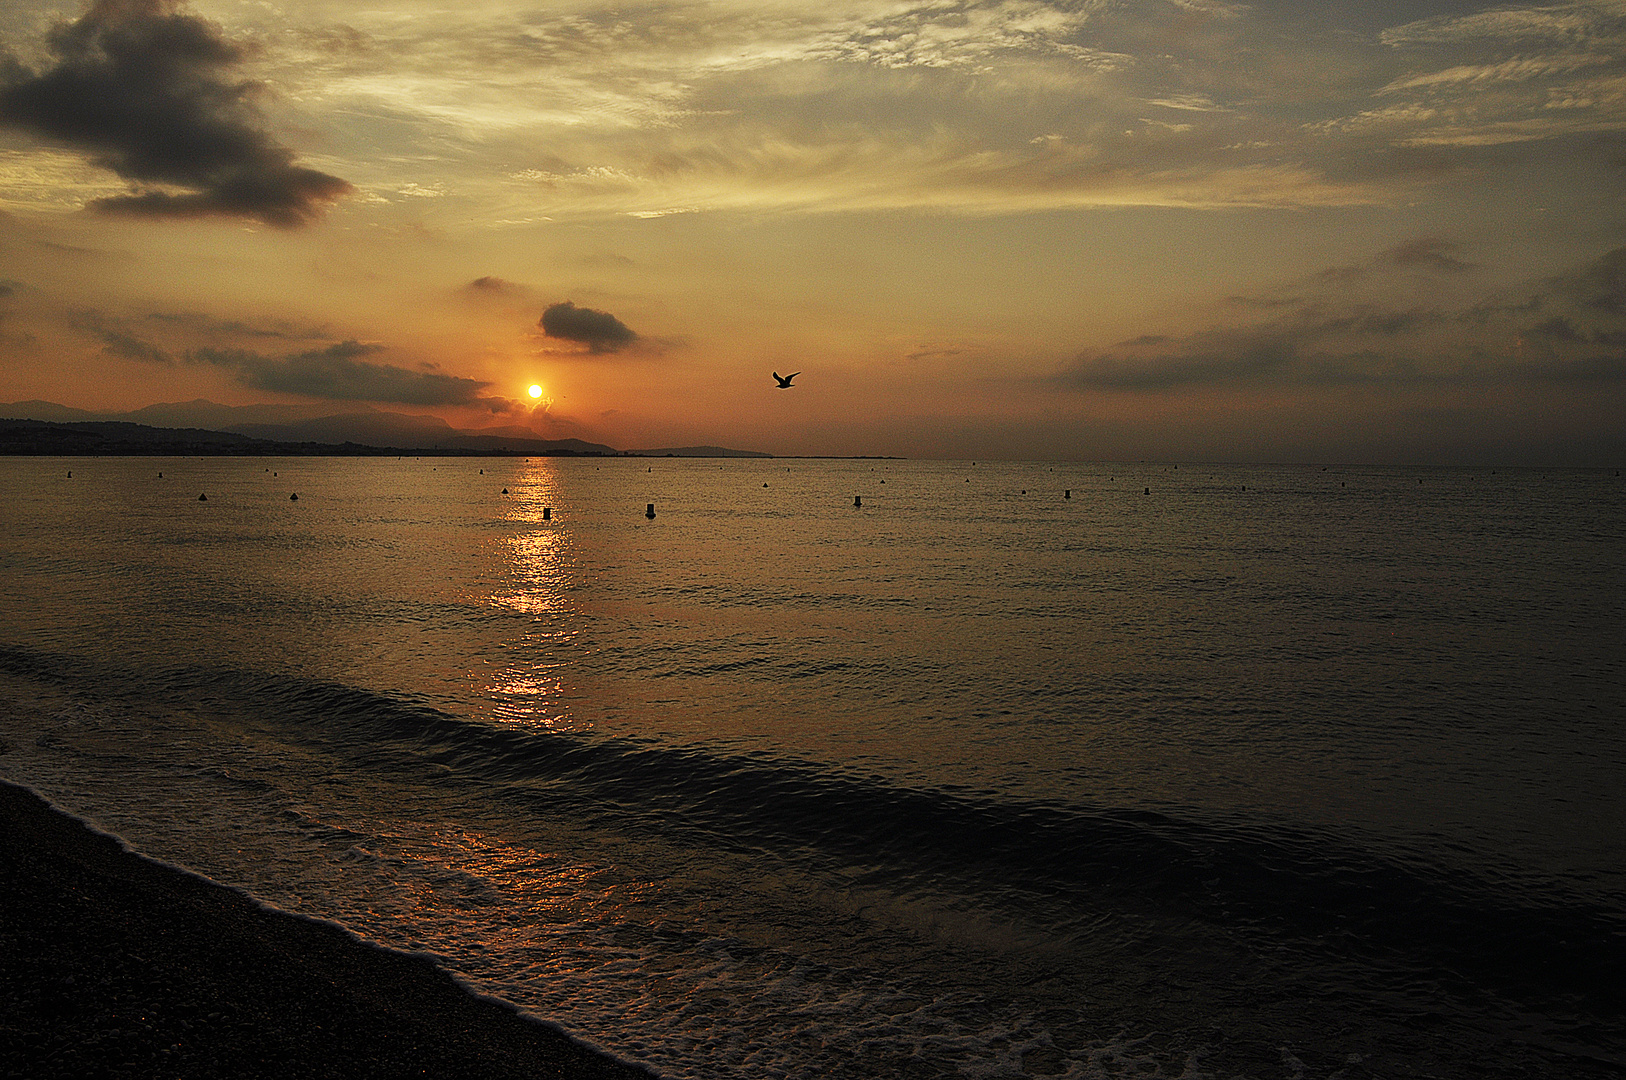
{"x":1179,"y":228}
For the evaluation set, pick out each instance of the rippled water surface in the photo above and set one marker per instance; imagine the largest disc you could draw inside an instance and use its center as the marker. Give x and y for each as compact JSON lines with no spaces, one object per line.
{"x":1013,"y":769}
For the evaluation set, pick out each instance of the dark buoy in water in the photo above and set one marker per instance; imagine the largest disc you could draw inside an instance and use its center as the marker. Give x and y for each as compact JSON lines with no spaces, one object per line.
{"x":1148,"y":491}
{"x":765,"y":483}
{"x":547,"y":513}
{"x":649,"y":511}
{"x":505,"y":491}
{"x":294,"y":497}
{"x":1068,"y":494}
{"x":482,"y":472}
{"x":203,"y":498}
{"x":70,"y":474}
{"x":858,"y":500}
{"x":160,"y":475}
{"x":883,"y":481}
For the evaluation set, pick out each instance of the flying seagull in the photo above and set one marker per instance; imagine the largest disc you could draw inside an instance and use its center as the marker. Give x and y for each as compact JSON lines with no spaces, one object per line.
{"x":784,"y":380}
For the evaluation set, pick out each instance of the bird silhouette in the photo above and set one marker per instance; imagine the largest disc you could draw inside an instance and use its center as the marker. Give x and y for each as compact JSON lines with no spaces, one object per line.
{"x":784,"y":380}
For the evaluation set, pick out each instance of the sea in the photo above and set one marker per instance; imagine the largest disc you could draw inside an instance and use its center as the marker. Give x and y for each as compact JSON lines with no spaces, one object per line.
{"x":785,"y":768}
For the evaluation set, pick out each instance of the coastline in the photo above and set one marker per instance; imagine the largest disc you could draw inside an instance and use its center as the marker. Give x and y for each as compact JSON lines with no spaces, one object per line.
{"x":111,"y":964}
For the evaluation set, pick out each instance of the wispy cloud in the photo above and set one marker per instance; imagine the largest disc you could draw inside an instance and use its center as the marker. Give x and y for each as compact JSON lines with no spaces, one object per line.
{"x":1315,"y":340}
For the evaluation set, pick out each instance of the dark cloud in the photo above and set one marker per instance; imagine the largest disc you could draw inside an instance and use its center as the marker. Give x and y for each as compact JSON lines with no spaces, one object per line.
{"x":1570,"y":333}
{"x":600,"y":331}
{"x":338,"y":373}
{"x":491,"y":284}
{"x":208,"y":325}
{"x":1427,"y":253}
{"x":1592,"y":369}
{"x":1557,"y":328}
{"x":130,"y":347}
{"x":148,"y":92}
{"x":1600,"y":285}
{"x":1213,"y":358}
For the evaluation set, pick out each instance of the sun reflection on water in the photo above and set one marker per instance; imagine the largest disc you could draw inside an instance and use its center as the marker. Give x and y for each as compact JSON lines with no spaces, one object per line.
{"x":539,"y":571}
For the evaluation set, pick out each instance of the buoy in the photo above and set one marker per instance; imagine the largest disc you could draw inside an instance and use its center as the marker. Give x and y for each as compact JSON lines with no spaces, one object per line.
{"x":70,"y":474}
{"x":765,"y":483}
{"x":160,"y":475}
{"x":547,"y":513}
{"x":1068,"y":494}
{"x":505,"y":491}
{"x":858,"y":500}
{"x":203,"y":498}
{"x":1148,"y":491}
{"x":294,"y":497}
{"x":649,"y":511}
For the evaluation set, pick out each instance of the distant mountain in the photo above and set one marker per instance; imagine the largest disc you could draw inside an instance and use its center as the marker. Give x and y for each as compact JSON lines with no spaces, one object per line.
{"x":532,"y":445}
{"x":46,"y":410}
{"x":698,"y":451}
{"x":113,"y":438}
{"x":375,"y":428}
{"x":110,"y":438}
{"x":308,"y":425}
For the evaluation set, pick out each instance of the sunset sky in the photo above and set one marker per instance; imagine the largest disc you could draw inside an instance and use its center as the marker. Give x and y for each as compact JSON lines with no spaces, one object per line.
{"x":1288,"y":230}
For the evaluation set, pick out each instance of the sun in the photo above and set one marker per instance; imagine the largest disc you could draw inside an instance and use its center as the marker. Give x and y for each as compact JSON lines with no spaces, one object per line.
{"x":535,"y":391}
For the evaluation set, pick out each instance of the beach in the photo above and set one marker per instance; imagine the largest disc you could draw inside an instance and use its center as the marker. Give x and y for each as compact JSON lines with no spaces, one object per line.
{"x":118,"y":965}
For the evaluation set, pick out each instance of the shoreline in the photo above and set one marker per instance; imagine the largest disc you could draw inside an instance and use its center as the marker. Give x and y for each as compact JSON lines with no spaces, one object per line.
{"x":112,"y":964}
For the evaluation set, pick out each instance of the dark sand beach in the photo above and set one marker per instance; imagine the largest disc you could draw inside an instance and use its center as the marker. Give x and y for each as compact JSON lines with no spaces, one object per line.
{"x":111,"y":964}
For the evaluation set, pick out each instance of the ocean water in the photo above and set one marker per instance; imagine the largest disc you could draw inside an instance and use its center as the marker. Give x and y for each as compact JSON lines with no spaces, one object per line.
{"x":1143,"y":770}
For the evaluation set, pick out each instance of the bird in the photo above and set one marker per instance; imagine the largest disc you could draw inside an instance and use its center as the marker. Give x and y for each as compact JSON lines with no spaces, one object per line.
{"x":784,"y":380}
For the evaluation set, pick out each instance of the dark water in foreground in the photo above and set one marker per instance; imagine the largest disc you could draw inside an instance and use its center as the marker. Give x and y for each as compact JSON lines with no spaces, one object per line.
{"x":1271,"y":772}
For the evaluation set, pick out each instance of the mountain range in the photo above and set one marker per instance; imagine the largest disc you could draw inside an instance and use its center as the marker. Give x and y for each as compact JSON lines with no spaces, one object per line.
{"x":365,"y":425}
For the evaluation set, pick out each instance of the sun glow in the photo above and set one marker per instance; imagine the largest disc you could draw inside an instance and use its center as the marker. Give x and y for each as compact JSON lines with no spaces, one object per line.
{"x":535,"y":391}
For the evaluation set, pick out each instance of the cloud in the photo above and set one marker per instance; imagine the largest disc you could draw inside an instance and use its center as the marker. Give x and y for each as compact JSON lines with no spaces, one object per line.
{"x":600,"y":331}
{"x":130,"y":347}
{"x":1426,"y":253}
{"x":1600,"y":285}
{"x":211,"y":327}
{"x":1328,"y":341}
{"x":147,"y":91}
{"x":338,"y":373}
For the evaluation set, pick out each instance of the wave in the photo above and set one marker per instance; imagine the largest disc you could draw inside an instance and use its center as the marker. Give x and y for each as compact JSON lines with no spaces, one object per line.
{"x":1267,"y":881}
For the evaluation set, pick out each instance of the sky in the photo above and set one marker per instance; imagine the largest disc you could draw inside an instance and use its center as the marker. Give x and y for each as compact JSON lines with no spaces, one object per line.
{"x":1385,"y":231}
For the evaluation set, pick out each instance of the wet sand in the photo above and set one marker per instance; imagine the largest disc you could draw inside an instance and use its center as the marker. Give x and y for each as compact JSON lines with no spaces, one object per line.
{"x":113,"y":965}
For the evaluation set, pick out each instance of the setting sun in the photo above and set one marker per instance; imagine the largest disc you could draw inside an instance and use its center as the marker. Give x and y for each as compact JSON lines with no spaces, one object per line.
{"x":535,"y":391}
